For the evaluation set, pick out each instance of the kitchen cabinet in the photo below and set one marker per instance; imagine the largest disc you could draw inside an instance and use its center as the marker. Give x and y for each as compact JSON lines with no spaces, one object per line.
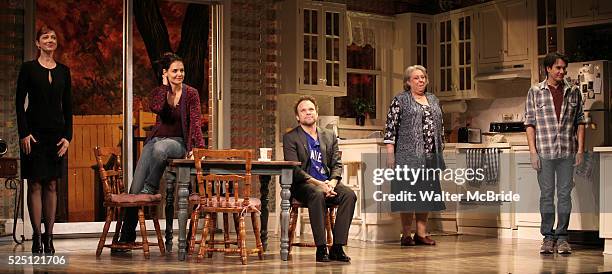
{"x":503,"y":32}
{"x":313,"y":48}
{"x":372,"y":221}
{"x":416,"y":39}
{"x":587,"y":12}
{"x":605,"y":198}
{"x":454,"y":55}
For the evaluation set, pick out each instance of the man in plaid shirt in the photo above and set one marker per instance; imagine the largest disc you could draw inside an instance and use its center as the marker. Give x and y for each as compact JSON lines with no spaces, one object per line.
{"x":555,"y":132}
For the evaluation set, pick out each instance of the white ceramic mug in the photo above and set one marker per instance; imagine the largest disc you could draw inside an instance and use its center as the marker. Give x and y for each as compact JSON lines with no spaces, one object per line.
{"x":265,"y":154}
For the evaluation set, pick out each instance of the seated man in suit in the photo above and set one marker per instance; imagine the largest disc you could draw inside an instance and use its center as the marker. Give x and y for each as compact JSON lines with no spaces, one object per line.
{"x":317,"y":181}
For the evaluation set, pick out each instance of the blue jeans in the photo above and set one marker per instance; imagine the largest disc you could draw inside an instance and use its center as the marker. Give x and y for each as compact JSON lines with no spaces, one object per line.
{"x":563,"y":168}
{"x":152,"y":162}
{"x":150,"y":168}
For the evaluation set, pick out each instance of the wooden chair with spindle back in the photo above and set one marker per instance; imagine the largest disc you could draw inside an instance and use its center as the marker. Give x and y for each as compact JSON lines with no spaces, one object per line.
{"x":116,"y":201}
{"x":214,"y":196}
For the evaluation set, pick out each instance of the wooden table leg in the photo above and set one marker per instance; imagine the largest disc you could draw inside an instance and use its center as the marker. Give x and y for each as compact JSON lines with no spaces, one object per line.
{"x":264,"y":190}
{"x":183,"y":178}
{"x":170,"y":183}
{"x":286,"y":179}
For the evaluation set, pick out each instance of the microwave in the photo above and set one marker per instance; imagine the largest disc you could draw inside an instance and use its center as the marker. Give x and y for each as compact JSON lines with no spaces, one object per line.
{"x":469,"y":135}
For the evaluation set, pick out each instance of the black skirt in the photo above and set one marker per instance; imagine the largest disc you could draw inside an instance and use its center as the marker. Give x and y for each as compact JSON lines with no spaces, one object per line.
{"x":43,"y":163}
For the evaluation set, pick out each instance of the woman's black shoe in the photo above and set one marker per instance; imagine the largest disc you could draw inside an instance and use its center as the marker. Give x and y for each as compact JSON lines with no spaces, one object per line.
{"x":37,"y":247}
{"x":47,"y":241}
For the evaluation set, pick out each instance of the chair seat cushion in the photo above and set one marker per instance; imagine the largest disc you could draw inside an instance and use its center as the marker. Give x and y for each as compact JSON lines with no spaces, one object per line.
{"x":135,"y":198}
{"x":253,"y":202}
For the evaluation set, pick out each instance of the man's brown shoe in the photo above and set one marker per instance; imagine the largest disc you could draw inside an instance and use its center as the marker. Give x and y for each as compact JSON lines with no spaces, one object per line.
{"x":423,"y":240}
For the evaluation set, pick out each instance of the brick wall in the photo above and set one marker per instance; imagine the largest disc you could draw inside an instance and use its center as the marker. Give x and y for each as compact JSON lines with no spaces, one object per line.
{"x":253,"y":78}
{"x":11,"y":56}
{"x":254,"y":87}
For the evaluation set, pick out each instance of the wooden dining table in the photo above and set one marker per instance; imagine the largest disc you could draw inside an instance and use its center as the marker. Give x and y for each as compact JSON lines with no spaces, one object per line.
{"x":179,"y":174}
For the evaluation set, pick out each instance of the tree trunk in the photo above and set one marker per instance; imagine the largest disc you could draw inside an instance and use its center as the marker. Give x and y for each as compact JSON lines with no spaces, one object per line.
{"x":193,"y":47}
{"x":152,"y":28}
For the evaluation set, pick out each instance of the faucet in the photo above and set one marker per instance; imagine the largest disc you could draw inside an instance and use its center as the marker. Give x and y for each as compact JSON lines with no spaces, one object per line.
{"x":375,"y":134}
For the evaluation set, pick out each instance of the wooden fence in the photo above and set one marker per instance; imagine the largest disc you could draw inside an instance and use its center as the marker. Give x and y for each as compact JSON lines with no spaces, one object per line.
{"x":84,"y":191}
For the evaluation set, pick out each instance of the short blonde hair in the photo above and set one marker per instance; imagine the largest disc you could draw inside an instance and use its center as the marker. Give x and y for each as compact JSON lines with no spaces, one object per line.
{"x":408,"y":73}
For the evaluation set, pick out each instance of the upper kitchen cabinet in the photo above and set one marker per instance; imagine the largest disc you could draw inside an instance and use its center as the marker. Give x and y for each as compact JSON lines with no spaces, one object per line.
{"x":587,"y":12}
{"x":415,"y":35}
{"x":313,"y":48}
{"x":503,"y":33}
{"x":454,"y":55}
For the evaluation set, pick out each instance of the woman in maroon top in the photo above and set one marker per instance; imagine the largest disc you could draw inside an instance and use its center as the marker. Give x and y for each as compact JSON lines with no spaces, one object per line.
{"x":177,"y":130}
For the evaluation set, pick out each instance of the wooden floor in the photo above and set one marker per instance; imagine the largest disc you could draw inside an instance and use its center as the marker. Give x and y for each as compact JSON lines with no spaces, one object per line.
{"x":453,"y":254}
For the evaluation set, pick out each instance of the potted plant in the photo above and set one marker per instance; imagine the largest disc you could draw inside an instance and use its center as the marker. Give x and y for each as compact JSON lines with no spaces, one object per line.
{"x":362,"y":108}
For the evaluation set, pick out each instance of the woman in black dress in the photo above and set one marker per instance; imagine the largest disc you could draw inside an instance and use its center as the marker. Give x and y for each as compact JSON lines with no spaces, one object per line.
{"x":45,"y":131}
{"x":413,"y":137}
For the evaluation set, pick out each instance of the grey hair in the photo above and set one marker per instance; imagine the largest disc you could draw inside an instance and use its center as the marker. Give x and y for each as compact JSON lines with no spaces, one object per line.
{"x":408,"y":72}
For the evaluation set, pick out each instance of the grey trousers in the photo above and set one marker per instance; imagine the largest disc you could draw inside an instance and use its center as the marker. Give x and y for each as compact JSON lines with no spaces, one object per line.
{"x":149,"y":170}
{"x":314,"y":198}
{"x":563,"y":170}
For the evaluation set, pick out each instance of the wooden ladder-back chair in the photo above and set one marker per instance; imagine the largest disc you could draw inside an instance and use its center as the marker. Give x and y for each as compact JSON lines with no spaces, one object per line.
{"x":214,"y":196}
{"x":116,"y":201}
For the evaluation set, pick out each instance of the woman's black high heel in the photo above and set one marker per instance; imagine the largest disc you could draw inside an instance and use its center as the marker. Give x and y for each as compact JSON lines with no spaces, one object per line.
{"x":47,"y":240}
{"x":37,"y":247}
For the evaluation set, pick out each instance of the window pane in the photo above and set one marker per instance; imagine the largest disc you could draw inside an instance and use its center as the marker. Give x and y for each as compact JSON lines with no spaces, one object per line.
{"x":443,"y":80}
{"x":551,"y":14}
{"x":468,"y":27}
{"x":336,"y":24}
{"x":448,"y":31}
{"x":328,"y":48}
{"x":425,"y":57}
{"x":328,"y":23}
{"x":461,"y":79}
{"x":449,"y":79}
{"x":461,"y":53}
{"x":336,"y":75}
{"x":424,"y":33}
{"x":542,"y":12}
{"x":306,"y":72}
{"x":313,"y":46}
{"x":461,"y":28}
{"x":468,"y":78}
{"x":418,"y":33}
{"x":448,"y":56}
{"x":314,"y":22}
{"x":362,"y":86}
{"x":314,"y":75}
{"x":442,"y":56}
{"x":442,"y":29}
{"x":306,"y":21}
{"x":468,"y":53}
{"x":336,"y":49}
{"x":328,"y":74}
{"x":552,"y":39}
{"x":306,"y":47}
{"x":542,"y":41}
{"x":419,"y":55}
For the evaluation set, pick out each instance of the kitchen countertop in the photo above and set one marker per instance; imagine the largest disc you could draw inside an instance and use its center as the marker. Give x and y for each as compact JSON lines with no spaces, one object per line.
{"x":361,"y":141}
{"x":602,"y":149}
{"x":492,"y":145}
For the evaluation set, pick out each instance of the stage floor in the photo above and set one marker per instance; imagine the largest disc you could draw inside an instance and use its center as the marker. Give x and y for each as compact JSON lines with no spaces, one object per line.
{"x":452,"y":254}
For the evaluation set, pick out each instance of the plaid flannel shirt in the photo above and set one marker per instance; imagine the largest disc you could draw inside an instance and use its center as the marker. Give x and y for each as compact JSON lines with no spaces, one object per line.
{"x":554,"y":139}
